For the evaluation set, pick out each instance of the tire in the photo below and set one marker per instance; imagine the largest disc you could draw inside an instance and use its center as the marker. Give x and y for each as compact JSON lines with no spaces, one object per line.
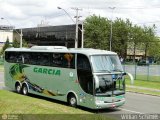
{"x":72,"y":100}
{"x":18,"y":88}
{"x":25,"y":89}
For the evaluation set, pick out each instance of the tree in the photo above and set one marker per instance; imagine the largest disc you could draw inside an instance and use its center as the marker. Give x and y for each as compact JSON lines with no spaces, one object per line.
{"x":136,"y":35}
{"x":121,"y":30}
{"x":149,"y":39}
{"x":16,"y":43}
{"x":153,"y":49}
{"x":125,"y":35}
{"x":96,"y":32}
{"x":6,"y":45}
{"x":24,"y":43}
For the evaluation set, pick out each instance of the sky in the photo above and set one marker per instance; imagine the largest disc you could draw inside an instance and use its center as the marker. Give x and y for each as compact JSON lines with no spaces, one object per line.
{"x":29,"y":13}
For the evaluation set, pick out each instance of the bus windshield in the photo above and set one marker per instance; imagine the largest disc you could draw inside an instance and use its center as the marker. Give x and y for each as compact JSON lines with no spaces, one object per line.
{"x":106,"y":63}
{"x":111,"y":83}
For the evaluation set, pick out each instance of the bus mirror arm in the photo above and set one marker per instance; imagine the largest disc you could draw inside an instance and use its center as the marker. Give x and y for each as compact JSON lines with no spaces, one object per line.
{"x":124,"y":73}
{"x":130,"y":76}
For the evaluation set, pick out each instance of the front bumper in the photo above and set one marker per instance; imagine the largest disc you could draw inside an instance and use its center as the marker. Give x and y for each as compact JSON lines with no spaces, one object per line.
{"x":102,"y":105}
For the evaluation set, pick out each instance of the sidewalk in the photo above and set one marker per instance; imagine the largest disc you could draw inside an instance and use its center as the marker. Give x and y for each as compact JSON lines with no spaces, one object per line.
{"x":143,"y":88}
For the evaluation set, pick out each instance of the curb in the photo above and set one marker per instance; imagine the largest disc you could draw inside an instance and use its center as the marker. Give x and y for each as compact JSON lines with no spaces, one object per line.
{"x":142,"y":93}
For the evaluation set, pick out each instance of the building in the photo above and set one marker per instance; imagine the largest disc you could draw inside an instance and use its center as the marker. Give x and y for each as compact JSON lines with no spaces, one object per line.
{"x":137,"y":53}
{"x":63,"y":35}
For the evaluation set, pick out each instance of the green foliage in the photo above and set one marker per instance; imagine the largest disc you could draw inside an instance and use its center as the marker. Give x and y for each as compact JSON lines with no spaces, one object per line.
{"x":36,"y":106}
{"x":124,"y":35}
{"x":24,"y":43}
{"x":154,"y":50}
{"x":121,"y":30}
{"x":6,"y":45}
{"x":143,"y":86}
{"x":16,"y":43}
{"x":96,"y":32}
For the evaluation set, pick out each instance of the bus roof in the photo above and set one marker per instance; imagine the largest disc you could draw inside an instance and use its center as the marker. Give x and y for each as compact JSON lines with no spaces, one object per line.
{"x":62,"y":49}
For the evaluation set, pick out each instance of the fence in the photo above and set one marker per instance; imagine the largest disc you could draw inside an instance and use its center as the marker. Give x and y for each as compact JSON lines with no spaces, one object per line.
{"x":146,"y":72}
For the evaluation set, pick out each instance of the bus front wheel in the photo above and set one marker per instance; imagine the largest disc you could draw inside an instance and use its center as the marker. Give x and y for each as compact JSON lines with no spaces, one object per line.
{"x":72,"y":100}
{"x":25,"y":89}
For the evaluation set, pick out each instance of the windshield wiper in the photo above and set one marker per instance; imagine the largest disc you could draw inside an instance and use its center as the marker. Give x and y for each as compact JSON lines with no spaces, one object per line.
{"x":105,"y":71}
{"x":117,"y":70}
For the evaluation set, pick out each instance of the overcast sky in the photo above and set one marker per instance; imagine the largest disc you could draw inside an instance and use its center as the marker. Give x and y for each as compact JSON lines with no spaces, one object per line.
{"x":29,"y":13}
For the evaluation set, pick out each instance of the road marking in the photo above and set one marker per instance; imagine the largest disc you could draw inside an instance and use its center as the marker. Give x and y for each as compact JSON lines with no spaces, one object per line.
{"x":130,"y":111}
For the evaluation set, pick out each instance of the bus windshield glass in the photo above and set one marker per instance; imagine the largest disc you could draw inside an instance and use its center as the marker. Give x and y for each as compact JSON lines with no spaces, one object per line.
{"x":106,"y":63}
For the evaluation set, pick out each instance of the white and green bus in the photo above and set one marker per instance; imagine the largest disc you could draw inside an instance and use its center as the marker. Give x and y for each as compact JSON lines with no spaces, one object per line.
{"x":86,"y":77}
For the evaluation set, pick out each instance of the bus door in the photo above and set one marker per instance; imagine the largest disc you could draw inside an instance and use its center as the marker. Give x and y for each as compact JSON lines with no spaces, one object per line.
{"x":85,"y":79}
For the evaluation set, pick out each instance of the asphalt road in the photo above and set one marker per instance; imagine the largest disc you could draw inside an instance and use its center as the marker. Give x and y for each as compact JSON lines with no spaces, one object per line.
{"x":138,"y":104}
{"x":135,"y":103}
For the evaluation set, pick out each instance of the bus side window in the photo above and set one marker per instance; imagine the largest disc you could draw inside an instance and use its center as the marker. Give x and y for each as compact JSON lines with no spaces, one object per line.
{"x":19,"y":58}
{"x":34,"y":59}
{"x":57,"y":60}
{"x":40,"y":59}
{"x":26,"y":58}
{"x":83,"y":63}
{"x":44,"y":59}
{"x":69,"y":60}
{"x":12,"y":57}
{"x":7,"y":56}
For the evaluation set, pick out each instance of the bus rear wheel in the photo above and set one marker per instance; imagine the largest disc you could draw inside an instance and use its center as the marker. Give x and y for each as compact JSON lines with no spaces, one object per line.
{"x":18,"y":88}
{"x":72,"y":100}
{"x":25,"y":89}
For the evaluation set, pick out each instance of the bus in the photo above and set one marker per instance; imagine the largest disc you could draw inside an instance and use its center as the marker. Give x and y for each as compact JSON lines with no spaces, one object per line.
{"x":80,"y":76}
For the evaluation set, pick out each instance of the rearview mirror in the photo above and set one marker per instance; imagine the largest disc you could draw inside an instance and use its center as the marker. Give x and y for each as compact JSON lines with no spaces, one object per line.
{"x":130,"y":76}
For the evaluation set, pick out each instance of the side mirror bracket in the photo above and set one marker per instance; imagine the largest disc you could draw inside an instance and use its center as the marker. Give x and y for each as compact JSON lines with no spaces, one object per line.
{"x":130,"y":76}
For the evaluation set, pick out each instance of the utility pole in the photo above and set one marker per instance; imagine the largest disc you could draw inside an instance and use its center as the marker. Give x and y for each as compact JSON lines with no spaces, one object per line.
{"x":82,"y":31}
{"x":82,"y":35}
{"x":77,"y":19}
{"x":21,"y":35}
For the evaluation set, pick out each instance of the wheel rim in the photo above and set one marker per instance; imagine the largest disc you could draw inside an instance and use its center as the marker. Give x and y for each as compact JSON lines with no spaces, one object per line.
{"x":73,"y":101}
{"x":25,"y":90}
{"x":18,"y":88}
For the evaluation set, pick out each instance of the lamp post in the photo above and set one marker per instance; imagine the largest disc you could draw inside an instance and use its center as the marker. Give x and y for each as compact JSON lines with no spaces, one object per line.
{"x":66,"y":13}
{"x":82,"y":35}
{"x":20,"y":34}
{"x":82,"y":31}
{"x":110,"y":41}
{"x":77,"y":17}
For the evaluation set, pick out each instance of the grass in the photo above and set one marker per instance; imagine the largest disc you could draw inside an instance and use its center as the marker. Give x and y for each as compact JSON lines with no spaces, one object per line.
{"x":40,"y":109}
{"x":14,"y":103}
{"x":1,"y":68}
{"x":148,"y":78}
{"x":150,"y":85}
{"x":147,"y":84}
